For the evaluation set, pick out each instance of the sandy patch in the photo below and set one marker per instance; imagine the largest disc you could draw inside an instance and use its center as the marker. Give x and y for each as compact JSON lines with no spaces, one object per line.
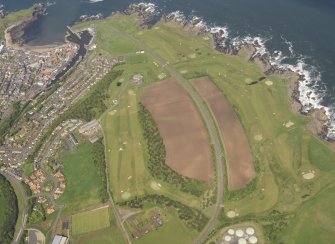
{"x":269,"y":83}
{"x":184,"y":71}
{"x":309,"y":175}
{"x":155,"y":186}
{"x":131,"y":92}
{"x":258,"y":137}
{"x":289,"y":124}
{"x":206,"y":38}
{"x":112,"y":112}
{"x":161,"y":76}
{"x":126,"y":195}
{"x":193,"y":55}
{"x":231,"y":214}
{"x":140,"y":33}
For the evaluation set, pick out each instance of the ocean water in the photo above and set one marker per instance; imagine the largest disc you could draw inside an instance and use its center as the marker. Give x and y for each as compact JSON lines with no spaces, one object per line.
{"x":301,"y":30}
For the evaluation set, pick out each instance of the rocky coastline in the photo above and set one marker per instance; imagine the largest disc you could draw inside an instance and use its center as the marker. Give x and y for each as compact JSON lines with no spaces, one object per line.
{"x":248,"y":50}
{"x":15,"y":34}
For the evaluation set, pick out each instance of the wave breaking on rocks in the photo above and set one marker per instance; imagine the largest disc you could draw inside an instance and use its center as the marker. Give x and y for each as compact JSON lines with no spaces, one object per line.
{"x":307,"y":90}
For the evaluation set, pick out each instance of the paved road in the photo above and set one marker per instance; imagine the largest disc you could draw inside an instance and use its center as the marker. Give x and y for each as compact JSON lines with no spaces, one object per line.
{"x":25,"y":208}
{"x":211,"y":125}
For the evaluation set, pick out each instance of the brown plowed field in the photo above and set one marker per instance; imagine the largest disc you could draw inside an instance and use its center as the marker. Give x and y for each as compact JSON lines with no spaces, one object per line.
{"x":185,"y":138}
{"x":240,"y":167}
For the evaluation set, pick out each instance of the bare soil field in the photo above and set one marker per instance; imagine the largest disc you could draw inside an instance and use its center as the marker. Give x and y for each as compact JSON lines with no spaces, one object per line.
{"x":240,"y":168}
{"x":185,"y":138}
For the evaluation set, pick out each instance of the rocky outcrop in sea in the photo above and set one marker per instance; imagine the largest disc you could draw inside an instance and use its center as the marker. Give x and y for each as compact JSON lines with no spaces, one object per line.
{"x":251,"y":49}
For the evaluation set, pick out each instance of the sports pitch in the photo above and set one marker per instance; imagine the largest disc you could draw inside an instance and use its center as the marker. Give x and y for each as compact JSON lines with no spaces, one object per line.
{"x":90,"y":221}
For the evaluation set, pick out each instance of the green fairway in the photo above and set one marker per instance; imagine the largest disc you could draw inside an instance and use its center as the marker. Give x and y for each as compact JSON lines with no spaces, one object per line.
{"x":283,"y":153}
{"x":314,"y":221}
{"x":283,"y":148}
{"x":126,"y":153}
{"x":124,"y":146}
{"x":82,"y":178}
{"x":90,"y":221}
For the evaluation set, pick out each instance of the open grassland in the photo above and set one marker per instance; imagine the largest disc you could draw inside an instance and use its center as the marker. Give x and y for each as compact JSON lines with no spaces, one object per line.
{"x":314,"y":221}
{"x":108,"y":38}
{"x":90,"y":221}
{"x":102,"y":236}
{"x":172,"y":231}
{"x":82,"y":178}
{"x":185,"y":137}
{"x":240,"y":168}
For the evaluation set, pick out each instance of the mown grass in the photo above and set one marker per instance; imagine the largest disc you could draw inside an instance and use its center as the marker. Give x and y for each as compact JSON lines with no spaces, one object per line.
{"x":314,"y":221}
{"x":102,"y":236}
{"x":283,"y":153}
{"x":82,"y":178}
{"x":127,"y":168}
{"x":89,"y":221}
{"x":124,"y":147}
{"x":172,"y":231}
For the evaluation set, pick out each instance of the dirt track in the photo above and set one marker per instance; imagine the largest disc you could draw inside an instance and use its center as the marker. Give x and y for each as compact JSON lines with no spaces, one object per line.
{"x":184,"y":135}
{"x":240,"y":167}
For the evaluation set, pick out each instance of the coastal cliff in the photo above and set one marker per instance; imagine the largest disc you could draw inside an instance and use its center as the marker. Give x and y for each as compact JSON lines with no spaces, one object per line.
{"x":15,"y":34}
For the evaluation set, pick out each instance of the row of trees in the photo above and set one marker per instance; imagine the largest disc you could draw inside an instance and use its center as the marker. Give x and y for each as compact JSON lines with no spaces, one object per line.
{"x":192,"y":217}
{"x":88,"y":108}
{"x":8,"y":122}
{"x":98,"y":154}
{"x":10,"y":211}
{"x":157,"y":154}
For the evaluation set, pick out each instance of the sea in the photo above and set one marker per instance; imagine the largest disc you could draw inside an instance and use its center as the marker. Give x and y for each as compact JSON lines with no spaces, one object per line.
{"x":302,"y":32}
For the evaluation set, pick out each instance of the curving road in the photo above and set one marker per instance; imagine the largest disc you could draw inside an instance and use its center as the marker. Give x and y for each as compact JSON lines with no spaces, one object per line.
{"x":210,"y":123}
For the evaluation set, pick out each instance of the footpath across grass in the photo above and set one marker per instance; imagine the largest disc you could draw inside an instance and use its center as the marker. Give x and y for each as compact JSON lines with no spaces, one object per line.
{"x":90,"y":221}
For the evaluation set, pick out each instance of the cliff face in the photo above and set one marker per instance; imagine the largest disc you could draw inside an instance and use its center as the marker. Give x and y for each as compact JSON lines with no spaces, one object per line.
{"x":17,"y":31}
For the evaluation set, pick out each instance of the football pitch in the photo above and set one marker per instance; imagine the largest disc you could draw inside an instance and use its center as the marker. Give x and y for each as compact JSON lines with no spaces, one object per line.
{"x":90,"y":221}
